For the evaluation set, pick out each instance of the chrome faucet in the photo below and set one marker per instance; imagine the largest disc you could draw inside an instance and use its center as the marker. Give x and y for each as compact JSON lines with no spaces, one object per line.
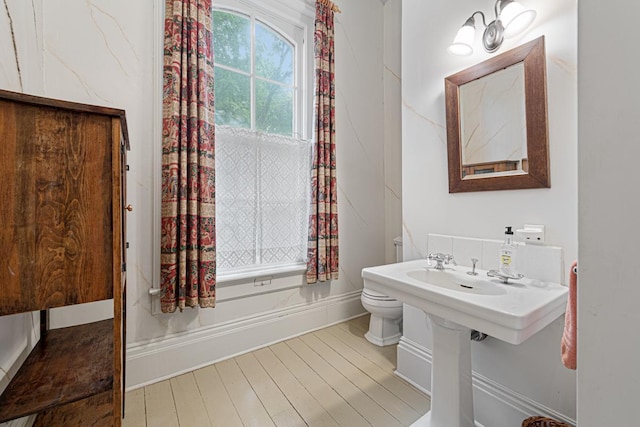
{"x":441,"y":259}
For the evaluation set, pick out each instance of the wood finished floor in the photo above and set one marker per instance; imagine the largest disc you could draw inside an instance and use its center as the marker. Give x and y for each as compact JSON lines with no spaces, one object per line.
{"x":331,"y":377}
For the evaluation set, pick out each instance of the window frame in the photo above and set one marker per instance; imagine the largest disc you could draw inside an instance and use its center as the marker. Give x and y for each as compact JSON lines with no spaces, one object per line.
{"x":285,"y":22}
{"x":297,"y":29}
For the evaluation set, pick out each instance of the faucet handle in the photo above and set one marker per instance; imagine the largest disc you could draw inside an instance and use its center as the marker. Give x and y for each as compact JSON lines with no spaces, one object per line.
{"x":474,"y":261}
{"x":448,"y":259}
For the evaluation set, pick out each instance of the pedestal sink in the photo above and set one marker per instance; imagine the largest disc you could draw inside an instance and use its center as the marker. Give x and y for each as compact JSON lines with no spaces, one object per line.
{"x":456,"y":303}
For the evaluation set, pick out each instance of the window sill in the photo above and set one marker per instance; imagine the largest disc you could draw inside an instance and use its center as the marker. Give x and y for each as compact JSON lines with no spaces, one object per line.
{"x":265,"y":273}
{"x":251,"y":283}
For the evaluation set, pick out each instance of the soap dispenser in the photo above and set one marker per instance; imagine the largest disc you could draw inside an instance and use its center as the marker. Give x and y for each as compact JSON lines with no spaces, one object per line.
{"x":508,"y":254}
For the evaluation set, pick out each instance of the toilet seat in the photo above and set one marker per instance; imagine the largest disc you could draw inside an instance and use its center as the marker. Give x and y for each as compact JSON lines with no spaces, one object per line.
{"x":377,"y":296}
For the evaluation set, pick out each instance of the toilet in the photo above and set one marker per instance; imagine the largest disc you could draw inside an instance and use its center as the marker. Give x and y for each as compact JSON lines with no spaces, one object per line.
{"x":385,"y":326}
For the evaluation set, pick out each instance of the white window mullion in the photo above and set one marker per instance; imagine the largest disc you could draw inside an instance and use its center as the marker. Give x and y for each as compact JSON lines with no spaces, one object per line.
{"x":258,"y":204}
{"x":235,"y":70}
{"x":297,"y":105}
{"x":252,"y":79}
{"x":275,"y":82}
{"x":260,"y":230}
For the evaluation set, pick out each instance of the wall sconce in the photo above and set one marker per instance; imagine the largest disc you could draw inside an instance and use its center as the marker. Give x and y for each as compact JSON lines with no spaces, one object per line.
{"x":511,"y":19}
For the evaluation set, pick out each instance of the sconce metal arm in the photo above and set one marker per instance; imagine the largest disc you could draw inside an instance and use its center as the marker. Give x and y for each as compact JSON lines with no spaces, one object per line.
{"x":472,"y":21}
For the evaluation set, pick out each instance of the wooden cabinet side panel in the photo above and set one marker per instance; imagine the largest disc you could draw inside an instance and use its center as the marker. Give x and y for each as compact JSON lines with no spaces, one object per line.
{"x":56,"y":214}
{"x":118,"y":254}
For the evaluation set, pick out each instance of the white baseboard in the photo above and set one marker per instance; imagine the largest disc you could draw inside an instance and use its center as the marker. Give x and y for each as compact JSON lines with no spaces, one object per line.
{"x":494,"y":404}
{"x":158,"y":360}
{"x":414,"y":364}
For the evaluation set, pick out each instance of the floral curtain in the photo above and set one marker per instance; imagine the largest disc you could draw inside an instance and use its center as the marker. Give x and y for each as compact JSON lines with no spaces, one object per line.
{"x":188,"y":246}
{"x":322,"y":249}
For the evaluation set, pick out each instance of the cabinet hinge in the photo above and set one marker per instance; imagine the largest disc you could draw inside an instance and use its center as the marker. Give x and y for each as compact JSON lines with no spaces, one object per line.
{"x":124,"y":266}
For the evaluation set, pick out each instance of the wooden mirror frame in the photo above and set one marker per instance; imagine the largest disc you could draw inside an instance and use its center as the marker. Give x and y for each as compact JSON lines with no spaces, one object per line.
{"x":532,"y":54}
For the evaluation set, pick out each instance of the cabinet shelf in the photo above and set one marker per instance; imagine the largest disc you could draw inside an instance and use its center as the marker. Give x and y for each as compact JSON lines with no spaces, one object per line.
{"x":67,"y":365}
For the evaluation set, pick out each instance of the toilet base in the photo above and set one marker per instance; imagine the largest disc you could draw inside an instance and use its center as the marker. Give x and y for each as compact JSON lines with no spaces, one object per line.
{"x":383,"y":331}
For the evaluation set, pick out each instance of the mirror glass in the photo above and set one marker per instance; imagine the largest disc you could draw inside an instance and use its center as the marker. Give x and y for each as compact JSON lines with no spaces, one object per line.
{"x":492,"y":124}
{"x":497,"y":133}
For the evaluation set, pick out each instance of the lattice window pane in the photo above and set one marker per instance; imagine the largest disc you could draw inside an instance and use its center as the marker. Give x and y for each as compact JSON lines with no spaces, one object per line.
{"x":261,"y":198}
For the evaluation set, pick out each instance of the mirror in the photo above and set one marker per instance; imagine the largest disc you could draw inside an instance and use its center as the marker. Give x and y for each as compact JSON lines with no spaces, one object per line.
{"x":497,"y":135}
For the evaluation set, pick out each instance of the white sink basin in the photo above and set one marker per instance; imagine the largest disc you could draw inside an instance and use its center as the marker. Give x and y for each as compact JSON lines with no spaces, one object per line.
{"x":457,"y":281}
{"x":511,"y":312}
{"x":456,"y":303}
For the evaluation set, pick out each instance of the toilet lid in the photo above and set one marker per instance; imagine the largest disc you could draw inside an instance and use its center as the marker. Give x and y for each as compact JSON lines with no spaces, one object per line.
{"x":377,"y":295}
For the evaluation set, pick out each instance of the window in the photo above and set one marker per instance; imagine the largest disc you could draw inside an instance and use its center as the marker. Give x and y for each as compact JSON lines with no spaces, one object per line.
{"x":262,"y":157}
{"x":254,"y":75}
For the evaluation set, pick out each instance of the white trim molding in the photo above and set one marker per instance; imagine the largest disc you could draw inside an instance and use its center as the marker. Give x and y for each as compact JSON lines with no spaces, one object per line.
{"x":494,"y":404}
{"x":156,"y":360}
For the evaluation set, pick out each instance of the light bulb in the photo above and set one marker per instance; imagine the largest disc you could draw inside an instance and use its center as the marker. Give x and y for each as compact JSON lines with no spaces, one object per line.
{"x":461,"y":45}
{"x":515,"y":18}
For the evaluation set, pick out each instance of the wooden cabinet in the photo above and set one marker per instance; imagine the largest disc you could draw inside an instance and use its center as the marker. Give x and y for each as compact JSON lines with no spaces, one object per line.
{"x":62,"y":189}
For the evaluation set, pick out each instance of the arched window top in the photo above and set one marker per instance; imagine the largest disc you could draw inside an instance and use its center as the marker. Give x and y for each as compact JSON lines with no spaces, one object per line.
{"x":232,"y":39}
{"x":257,"y":74}
{"x":274,"y":55}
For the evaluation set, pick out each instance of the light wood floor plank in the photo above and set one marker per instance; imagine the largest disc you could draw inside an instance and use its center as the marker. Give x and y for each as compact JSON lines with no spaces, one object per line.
{"x":331,"y":401}
{"x":134,"y":415}
{"x":358,"y":326}
{"x":391,"y":403}
{"x":310,"y":410}
{"x":326,"y":378}
{"x":217,"y":402}
{"x":414,"y":398}
{"x":249,"y":407}
{"x":189,"y":404}
{"x":360,"y":401}
{"x":276,"y":404}
{"x":161,"y":409}
{"x":376,"y":354}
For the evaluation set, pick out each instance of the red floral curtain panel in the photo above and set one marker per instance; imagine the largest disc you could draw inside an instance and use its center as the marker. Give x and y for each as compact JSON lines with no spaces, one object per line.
{"x":322,"y":253}
{"x":188,"y":246}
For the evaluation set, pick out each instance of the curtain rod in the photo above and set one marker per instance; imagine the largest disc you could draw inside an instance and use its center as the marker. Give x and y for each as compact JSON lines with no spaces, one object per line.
{"x":334,"y":7}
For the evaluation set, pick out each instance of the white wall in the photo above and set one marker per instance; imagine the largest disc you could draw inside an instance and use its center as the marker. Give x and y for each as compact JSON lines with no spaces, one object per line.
{"x":101,"y":52}
{"x":392,"y":126}
{"x":532,"y":370}
{"x":609,"y":272}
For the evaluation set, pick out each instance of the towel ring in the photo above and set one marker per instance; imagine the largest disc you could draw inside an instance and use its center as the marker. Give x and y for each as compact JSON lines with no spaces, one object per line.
{"x":575,"y":270}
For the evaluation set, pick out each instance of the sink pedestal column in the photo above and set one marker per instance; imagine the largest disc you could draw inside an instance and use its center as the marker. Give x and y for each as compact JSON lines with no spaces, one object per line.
{"x":451,"y":387}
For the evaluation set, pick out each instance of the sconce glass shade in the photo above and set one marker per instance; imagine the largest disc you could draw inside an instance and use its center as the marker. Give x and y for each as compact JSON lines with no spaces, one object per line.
{"x":515,"y":18}
{"x":461,"y":45}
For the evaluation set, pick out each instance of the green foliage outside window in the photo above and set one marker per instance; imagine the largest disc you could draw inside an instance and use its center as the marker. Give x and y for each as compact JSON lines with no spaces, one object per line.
{"x":273,"y":75}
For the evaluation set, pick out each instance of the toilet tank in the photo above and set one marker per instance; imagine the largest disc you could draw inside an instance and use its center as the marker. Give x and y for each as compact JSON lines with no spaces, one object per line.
{"x":397,"y":242}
